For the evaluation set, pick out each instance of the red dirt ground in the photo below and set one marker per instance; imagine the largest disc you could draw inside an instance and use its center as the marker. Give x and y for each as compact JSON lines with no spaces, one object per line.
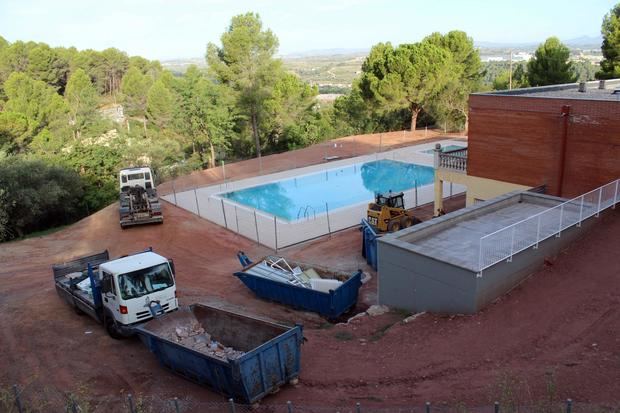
{"x":559,"y":327}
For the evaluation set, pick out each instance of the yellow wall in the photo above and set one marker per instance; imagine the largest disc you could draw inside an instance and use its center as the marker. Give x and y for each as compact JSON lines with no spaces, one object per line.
{"x":477,"y":188}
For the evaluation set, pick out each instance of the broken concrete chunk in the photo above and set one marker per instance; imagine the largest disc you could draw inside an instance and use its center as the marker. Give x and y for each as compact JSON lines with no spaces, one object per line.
{"x":375,"y":310}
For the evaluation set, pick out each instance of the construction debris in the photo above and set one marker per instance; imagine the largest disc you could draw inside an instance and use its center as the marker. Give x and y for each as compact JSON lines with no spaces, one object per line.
{"x":196,"y":338}
{"x":412,"y":317}
{"x":375,"y":310}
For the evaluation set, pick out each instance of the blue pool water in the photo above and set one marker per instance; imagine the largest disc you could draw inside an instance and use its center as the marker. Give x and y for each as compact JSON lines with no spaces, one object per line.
{"x":446,"y":148}
{"x":338,"y":187}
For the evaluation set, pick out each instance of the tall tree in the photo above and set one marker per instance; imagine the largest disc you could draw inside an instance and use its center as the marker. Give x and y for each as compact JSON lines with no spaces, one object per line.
{"x":451,"y":103}
{"x":246,"y":63}
{"x":39,"y":103}
{"x":81,"y":97}
{"x":408,"y":76}
{"x":206,"y":115}
{"x":160,"y":104}
{"x":47,"y":65}
{"x":610,"y":65}
{"x":135,"y":87}
{"x":550,"y":64}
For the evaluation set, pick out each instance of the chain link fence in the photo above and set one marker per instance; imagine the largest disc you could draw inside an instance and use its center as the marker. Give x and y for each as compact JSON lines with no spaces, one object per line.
{"x":30,"y":399}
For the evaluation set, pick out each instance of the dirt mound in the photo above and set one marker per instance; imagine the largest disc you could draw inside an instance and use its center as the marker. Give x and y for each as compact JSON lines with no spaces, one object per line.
{"x":557,"y":332}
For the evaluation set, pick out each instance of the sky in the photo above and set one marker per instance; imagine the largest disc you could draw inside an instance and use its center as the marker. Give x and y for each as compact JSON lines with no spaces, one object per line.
{"x":168,"y":29}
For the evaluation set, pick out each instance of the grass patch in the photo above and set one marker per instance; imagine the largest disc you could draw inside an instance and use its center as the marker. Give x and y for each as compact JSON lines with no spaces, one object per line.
{"x":343,"y":335}
{"x":40,"y":233}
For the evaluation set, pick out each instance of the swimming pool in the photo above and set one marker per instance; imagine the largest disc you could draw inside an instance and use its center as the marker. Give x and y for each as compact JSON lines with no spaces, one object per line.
{"x":446,"y":148}
{"x":307,"y":195}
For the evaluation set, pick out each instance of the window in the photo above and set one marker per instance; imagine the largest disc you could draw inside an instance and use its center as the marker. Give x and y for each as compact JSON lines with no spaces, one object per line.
{"x":133,"y":177}
{"x":147,"y":175}
{"x":124,"y":178}
{"x":145,"y":281}
{"x":107,"y":283}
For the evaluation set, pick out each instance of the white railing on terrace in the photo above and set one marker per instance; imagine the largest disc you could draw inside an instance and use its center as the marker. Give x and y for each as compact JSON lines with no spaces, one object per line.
{"x":503,"y":244}
{"x":455,"y":160}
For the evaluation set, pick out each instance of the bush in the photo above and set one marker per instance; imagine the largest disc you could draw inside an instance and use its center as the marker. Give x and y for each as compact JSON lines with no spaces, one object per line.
{"x":36,"y":196}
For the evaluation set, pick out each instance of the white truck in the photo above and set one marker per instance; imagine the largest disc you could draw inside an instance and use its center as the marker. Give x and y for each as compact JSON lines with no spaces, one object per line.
{"x":139,"y":203}
{"x":119,"y":293}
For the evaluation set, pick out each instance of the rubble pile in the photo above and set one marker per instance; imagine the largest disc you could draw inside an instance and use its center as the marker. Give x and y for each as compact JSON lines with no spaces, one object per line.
{"x":195,"y":337}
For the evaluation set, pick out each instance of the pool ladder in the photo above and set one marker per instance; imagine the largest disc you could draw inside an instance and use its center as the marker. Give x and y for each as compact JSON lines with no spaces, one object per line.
{"x":306,"y":212}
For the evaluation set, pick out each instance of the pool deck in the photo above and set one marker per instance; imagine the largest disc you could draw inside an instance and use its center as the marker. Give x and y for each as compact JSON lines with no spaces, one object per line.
{"x":279,"y":233}
{"x":342,"y":148}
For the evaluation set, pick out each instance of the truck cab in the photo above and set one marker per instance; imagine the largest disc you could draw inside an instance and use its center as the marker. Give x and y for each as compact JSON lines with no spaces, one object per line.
{"x":119,"y":293}
{"x":139,"y":203}
{"x":132,"y":177}
{"x":137,"y":287}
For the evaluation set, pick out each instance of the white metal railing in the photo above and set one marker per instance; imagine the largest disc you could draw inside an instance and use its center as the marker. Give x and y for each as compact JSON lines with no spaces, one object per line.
{"x":503,"y":244}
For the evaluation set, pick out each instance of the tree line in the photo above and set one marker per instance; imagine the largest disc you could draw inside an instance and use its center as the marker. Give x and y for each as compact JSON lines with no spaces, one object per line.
{"x":60,"y":153}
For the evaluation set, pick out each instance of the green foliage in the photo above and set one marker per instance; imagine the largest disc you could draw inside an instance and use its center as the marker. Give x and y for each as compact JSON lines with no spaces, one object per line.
{"x":519,"y":78}
{"x":47,"y":65}
{"x":550,"y":64}
{"x":450,"y":105}
{"x":39,"y":103}
{"x":81,"y":98}
{"x":160,"y":104}
{"x":98,"y":166}
{"x":246,"y":64}
{"x":610,"y":29}
{"x":207,"y":115}
{"x":585,"y":70}
{"x":35,"y":195}
{"x":135,"y":87}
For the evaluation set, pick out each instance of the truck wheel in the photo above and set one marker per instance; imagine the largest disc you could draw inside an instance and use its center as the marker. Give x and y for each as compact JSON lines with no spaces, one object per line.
{"x":110,"y":327}
{"x":394,"y":226}
{"x":406,"y":222}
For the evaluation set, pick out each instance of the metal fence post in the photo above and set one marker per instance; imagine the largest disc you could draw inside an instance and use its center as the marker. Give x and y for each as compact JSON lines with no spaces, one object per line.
{"x":450,"y":189}
{"x":130,"y":400}
{"x":197,"y":205}
{"x":561,"y":218}
{"x":223,"y":169}
{"x":176,"y":405}
{"x":232,"y":405}
{"x":224,"y":213}
{"x":538,"y":232}
{"x":427,"y":407}
{"x":256,"y":225}
{"x":512,"y":242}
{"x":581,"y":211}
{"x":380,"y":142}
{"x":415,"y":188}
{"x":600,"y":194}
{"x":275,"y":230}
{"x":174,"y":191}
{"x":358,"y":407}
{"x":237,"y":219}
{"x":329,"y":228}
{"x":496,"y":407}
{"x":613,"y":205}
{"x":18,"y":401}
{"x":569,"y":405}
{"x":289,"y":407}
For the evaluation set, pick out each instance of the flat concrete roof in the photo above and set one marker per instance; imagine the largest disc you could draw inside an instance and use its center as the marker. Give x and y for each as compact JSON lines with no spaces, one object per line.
{"x":455,"y":238}
{"x":567,"y":91}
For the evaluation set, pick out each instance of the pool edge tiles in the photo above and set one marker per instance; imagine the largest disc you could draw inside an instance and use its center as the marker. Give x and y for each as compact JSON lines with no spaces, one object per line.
{"x":340,"y":187}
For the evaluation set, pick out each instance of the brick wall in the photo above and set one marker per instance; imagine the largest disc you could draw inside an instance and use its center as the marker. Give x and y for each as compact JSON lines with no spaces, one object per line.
{"x":518,"y":139}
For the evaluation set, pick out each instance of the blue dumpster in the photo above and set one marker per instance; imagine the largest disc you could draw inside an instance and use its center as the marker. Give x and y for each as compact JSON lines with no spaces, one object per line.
{"x":271,"y":356}
{"x":331,"y":304}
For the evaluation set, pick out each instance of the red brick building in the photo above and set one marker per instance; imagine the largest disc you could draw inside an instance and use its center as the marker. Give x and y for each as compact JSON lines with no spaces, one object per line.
{"x":564,"y":136}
